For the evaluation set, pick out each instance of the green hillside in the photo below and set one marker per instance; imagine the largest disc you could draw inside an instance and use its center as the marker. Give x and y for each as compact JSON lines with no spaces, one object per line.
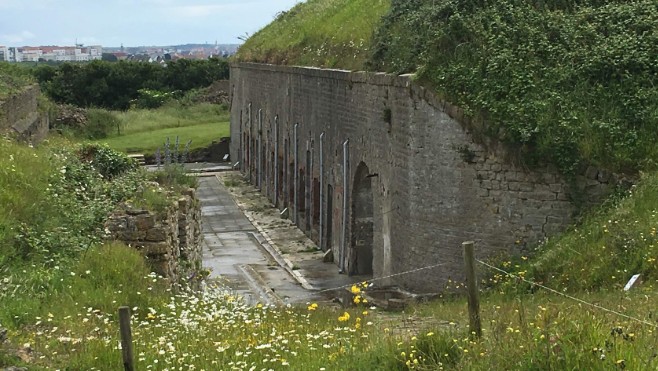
{"x":324,"y":33}
{"x":568,"y":81}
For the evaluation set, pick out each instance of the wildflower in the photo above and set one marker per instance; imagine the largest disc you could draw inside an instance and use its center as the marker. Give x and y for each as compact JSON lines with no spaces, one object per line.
{"x":344,"y":318}
{"x":313,"y":306}
{"x":355,"y":290}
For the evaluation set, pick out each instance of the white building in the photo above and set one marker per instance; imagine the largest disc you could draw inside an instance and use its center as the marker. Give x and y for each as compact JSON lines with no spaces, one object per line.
{"x":76,"y":53}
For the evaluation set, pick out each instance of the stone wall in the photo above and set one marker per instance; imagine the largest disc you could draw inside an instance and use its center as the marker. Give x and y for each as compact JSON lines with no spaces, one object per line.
{"x":388,"y":176}
{"x":170,"y":240}
{"x":20,"y":116}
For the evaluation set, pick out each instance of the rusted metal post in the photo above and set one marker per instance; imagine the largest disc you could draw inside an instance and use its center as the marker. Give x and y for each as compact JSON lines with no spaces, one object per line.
{"x":475,"y":325}
{"x":126,"y":339}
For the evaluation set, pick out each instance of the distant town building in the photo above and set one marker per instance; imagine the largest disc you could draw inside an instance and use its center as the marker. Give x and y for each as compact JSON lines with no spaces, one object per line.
{"x":78,"y":53}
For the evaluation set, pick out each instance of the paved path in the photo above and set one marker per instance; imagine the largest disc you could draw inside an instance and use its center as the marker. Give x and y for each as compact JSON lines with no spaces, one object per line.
{"x":231,"y":251}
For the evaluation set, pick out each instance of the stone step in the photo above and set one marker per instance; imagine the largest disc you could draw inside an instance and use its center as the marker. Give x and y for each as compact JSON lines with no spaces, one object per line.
{"x":139,"y":157}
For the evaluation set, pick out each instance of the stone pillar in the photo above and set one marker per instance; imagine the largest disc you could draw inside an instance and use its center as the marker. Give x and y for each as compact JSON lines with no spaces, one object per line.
{"x":346,"y":205}
{"x":275,"y":199}
{"x":260,"y":150}
{"x":322,"y":221}
{"x":296,"y":175}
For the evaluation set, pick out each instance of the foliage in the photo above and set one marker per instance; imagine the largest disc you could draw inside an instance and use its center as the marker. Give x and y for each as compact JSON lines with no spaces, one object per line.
{"x":335,"y":33}
{"x":12,"y":79}
{"x":55,"y":200}
{"x":114,"y":85}
{"x":149,"y":99}
{"x":566,"y":81}
{"x":108,"y":162}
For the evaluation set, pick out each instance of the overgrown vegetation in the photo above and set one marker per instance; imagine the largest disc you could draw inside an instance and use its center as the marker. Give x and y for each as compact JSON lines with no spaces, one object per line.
{"x":55,"y":199}
{"x":12,"y":79}
{"x":334,"y":33}
{"x":567,"y":81}
{"x":604,"y":251}
{"x":118,"y":86}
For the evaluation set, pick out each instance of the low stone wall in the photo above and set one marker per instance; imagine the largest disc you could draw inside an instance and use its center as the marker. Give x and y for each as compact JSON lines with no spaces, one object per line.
{"x":170,"y":241}
{"x":20,"y":116}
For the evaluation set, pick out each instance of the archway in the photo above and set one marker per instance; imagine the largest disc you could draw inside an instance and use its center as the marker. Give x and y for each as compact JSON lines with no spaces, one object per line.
{"x":361,"y":251}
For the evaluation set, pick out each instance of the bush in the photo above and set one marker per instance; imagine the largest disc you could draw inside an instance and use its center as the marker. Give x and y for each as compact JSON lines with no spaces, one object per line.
{"x":149,"y":99}
{"x":100,"y":123}
{"x":108,"y":162}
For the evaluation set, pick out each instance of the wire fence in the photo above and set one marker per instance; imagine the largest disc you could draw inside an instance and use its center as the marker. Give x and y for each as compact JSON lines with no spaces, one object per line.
{"x":494,"y":268}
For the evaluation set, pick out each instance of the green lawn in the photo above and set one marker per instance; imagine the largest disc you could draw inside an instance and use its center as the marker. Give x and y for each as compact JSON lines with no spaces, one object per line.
{"x":201,"y":135}
{"x":146,"y":130}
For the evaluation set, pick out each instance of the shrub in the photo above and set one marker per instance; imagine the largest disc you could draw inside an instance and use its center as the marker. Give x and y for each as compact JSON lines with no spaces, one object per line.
{"x":108,"y":162}
{"x":149,"y":99}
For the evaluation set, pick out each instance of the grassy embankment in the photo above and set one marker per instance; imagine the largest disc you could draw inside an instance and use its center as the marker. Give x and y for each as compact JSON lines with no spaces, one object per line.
{"x":144,"y":131}
{"x":334,"y":33}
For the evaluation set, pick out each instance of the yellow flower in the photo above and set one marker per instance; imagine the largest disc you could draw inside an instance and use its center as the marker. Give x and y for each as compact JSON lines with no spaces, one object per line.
{"x":357,"y":299}
{"x":313,"y":306}
{"x":355,"y":289}
{"x":345,"y":317}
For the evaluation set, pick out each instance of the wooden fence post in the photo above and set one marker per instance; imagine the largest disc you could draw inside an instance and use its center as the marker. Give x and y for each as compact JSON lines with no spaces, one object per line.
{"x":475,"y":326}
{"x":126,"y":339}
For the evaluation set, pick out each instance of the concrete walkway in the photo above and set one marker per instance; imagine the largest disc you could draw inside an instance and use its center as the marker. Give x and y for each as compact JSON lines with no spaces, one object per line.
{"x":240,"y":257}
{"x":245,"y":253}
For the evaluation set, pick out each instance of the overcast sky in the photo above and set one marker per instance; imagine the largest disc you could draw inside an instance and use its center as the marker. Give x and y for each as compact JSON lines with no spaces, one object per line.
{"x":133,"y":22}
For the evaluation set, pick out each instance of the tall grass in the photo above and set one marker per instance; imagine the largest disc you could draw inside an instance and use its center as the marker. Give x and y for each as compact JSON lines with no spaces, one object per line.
{"x":608,"y":247}
{"x":326,"y":33}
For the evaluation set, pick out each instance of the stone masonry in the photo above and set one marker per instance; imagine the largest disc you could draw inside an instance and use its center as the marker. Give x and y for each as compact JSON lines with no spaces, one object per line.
{"x":388,"y":176}
{"x":20,"y":116}
{"x":170,"y":240}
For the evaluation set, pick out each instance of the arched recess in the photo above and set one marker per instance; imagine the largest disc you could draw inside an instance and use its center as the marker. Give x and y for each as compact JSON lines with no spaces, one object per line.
{"x":361,"y":251}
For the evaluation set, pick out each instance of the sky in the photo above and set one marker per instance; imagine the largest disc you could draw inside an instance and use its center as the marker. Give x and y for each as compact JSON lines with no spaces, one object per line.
{"x":133,"y":22}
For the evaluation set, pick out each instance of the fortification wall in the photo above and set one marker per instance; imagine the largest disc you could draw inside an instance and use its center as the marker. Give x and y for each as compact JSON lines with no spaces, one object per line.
{"x":388,"y":176}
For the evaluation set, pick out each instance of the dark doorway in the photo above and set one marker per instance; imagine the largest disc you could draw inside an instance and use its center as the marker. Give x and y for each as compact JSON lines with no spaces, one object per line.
{"x":361,"y":252}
